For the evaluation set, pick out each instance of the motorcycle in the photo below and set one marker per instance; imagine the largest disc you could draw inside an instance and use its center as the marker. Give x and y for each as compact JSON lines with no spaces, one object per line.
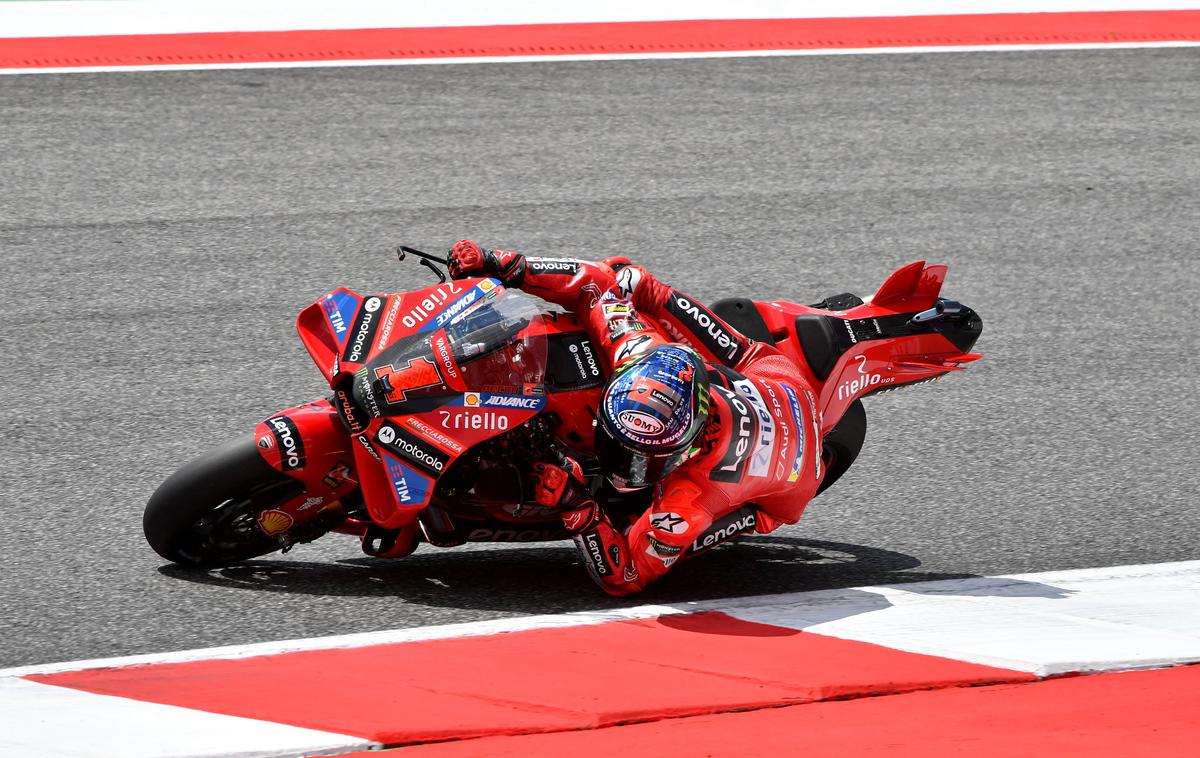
{"x":443,"y":397}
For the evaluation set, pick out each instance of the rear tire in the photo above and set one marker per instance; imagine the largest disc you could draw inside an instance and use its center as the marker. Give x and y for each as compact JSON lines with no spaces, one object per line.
{"x":842,"y":445}
{"x":205,"y":514}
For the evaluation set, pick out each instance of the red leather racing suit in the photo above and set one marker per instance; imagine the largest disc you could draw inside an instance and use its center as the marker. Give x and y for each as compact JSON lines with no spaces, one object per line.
{"x":761,"y":444}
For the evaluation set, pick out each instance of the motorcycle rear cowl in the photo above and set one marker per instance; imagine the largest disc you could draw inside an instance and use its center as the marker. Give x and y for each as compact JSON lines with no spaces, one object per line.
{"x":849,"y":348}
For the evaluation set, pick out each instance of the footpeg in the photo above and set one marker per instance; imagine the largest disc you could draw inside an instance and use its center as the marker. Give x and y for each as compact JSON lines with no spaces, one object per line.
{"x":945,"y":309}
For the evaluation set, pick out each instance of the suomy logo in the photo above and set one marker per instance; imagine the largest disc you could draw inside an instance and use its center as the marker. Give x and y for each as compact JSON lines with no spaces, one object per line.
{"x":642,"y":423}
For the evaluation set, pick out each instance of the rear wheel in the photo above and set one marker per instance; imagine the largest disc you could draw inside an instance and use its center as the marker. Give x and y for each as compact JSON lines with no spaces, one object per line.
{"x":841,"y":446}
{"x":206,"y":513}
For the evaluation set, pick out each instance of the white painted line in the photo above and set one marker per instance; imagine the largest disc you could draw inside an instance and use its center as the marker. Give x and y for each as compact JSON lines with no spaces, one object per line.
{"x":1108,"y":619}
{"x":617,"y":57}
{"x":43,"y":721}
{"x":57,"y":18}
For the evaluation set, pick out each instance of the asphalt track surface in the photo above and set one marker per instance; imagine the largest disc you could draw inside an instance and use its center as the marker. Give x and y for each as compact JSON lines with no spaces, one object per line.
{"x":160,"y":231}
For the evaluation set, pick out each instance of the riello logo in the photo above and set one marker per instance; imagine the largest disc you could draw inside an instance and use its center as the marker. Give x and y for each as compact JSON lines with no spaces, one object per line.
{"x":863,"y":382}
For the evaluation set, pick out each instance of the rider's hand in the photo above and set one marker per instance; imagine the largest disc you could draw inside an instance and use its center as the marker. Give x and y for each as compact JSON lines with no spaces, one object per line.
{"x":616,"y":263}
{"x":468,"y":259}
{"x":561,"y":485}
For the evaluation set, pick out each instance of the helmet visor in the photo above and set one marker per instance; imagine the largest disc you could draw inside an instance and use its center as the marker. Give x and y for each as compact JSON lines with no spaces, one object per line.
{"x":631,"y":469}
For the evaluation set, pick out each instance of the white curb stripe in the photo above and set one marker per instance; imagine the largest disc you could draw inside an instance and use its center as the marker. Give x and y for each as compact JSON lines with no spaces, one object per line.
{"x":43,"y":721}
{"x":615,"y":57}
{"x":1087,"y":620}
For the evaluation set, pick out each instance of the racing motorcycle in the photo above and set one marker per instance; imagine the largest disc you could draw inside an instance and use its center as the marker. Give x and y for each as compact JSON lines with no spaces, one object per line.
{"x":443,"y":397}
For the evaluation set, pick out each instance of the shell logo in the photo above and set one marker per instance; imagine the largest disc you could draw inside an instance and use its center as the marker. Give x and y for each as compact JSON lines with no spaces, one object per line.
{"x":275,"y":522}
{"x":471,"y":399}
{"x":486,"y":285}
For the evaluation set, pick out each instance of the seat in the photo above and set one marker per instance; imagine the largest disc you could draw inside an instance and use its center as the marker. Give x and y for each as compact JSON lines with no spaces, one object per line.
{"x":818,"y":340}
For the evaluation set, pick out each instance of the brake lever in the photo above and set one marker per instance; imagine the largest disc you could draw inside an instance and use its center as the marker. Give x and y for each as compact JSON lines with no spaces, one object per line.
{"x":429,"y":265}
{"x":427,"y":260}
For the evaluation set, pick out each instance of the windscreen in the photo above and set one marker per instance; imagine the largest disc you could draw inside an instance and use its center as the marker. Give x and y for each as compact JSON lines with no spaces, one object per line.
{"x":486,"y":348}
{"x":494,"y":349}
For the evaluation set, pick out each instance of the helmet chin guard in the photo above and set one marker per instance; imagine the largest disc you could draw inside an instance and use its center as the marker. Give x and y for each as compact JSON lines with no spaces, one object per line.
{"x":653,"y":411}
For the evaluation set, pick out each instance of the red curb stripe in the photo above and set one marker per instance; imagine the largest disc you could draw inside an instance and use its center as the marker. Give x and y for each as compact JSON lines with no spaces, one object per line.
{"x":1124,"y":714}
{"x":539,"y":680}
{"x":623,"y":38}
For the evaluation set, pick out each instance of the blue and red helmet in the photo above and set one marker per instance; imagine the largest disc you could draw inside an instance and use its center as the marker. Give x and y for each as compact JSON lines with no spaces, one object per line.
{"x":652,"y":412}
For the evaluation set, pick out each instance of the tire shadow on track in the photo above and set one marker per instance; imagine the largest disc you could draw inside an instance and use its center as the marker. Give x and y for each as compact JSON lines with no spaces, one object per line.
{"x":552,"y":580}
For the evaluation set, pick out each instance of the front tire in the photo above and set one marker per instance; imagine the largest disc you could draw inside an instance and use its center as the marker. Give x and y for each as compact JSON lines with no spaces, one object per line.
{"x":205,"y":514}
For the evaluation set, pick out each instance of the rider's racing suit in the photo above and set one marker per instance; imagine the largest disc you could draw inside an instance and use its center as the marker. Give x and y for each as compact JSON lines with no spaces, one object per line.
{"x":761,"y":445}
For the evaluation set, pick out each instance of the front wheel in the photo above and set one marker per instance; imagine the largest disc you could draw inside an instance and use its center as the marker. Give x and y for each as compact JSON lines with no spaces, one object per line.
{"x":206,"y":513}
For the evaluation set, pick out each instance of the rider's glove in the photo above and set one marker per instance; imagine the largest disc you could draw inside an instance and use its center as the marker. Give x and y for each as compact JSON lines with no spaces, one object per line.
{"x":467,"y":258}
{"x":561,"y":485}
{"x":616,"y":263}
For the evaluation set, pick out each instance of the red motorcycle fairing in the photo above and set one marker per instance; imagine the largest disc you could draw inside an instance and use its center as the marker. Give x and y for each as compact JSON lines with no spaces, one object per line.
{"x":344,"y":331}
{"x":873,"y":345}
{"x":393,"y":357}
{"x":574,"y":378}
{"x":325,"y":327}
{"x":309,"y":444}
{"x":415,"y":452}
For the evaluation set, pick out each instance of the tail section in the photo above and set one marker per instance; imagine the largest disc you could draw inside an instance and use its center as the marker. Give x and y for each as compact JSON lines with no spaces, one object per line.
{"x":902,"y":335}
{"x":913,"y":287}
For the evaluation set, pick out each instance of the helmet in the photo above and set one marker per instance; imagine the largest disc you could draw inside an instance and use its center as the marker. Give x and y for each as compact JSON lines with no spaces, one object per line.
{"x":651,"y":416}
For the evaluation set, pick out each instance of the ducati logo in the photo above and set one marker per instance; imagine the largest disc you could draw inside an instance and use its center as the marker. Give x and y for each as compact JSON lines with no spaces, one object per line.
{"x":266,"y":442}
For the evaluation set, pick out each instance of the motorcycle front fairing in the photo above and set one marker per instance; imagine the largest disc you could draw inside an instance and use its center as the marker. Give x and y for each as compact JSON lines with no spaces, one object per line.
{"x":420,"y":377}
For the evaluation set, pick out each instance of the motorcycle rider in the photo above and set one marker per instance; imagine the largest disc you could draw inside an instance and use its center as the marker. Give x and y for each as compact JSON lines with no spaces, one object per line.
{"x":710,"y":419}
